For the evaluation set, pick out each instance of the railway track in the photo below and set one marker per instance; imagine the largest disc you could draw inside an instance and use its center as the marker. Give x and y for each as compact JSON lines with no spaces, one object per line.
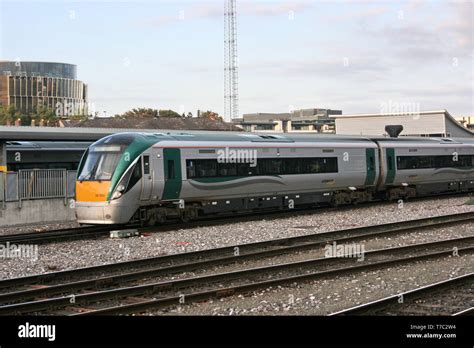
{"x":449,"y":297}
{"x":94,"y":285}
{"x":190,"y":261}
{"x":60,"y":234}
{"x":89,"y":232}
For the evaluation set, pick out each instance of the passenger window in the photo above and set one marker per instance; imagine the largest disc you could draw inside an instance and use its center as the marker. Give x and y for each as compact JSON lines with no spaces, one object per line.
{"x":146,"y":165}
{"x":171,"y":174}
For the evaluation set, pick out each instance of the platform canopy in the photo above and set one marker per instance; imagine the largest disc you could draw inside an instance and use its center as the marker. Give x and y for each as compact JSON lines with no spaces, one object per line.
{"x":9,"y":133}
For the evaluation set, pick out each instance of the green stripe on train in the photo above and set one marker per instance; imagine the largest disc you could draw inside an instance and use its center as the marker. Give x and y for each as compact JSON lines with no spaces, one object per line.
{"x":172,"y":172}
{"x":391,"y":169}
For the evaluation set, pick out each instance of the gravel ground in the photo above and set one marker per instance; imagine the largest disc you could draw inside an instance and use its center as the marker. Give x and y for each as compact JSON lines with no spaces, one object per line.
{"x":329,"y":295}
{"x":37,"y":228}
{"x":82,"y":253}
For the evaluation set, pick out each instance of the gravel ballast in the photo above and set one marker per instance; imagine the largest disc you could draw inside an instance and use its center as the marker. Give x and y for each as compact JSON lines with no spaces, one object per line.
{"x":329,"y":295}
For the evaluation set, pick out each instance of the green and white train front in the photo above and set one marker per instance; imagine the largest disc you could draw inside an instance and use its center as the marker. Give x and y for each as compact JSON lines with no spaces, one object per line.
{"x":115,"y":175}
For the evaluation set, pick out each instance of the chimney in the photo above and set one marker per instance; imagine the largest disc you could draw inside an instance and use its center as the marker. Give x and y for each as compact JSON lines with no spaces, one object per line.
{"x":18,"y":123}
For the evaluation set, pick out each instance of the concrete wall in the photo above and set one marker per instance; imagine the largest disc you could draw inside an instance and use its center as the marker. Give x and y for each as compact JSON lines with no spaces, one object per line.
{"x":35,"y":211}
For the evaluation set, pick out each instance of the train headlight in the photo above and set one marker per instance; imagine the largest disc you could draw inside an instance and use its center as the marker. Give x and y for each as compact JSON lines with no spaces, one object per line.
{"x":118,"y":191}
{"x":116,"y":195}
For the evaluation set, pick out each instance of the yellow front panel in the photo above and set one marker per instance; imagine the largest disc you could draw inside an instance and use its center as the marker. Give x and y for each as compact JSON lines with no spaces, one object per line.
{"x":92,"y":191}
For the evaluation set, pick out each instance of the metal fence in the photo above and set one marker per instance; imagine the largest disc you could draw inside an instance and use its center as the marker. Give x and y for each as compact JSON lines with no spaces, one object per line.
{"x":37,"y":184}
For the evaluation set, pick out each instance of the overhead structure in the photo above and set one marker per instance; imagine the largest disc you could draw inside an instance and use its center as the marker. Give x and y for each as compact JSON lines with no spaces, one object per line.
{"x":231,"y":73}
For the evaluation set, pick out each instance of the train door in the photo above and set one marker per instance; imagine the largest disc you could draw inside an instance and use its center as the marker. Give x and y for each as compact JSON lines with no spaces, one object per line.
{"x":147,"y":179}
{"x":391,"y":166}
{"x":172,"y":173}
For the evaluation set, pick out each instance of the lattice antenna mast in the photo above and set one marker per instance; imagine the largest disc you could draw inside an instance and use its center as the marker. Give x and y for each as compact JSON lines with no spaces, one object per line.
{"x":231,"y":73}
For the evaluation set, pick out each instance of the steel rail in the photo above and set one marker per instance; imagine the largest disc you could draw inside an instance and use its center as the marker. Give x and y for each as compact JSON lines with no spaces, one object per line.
{"x":408,"y":296}
{"x":192,"y":260}
{"x":60,"y":234}
{"x":205,"y":280}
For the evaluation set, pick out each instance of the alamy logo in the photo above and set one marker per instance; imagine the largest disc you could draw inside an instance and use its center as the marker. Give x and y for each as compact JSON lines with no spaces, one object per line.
{"x":228,"y":155}
{"x":20,"y":251}
{"x":37,"y":331}
{"x":345,"y":250}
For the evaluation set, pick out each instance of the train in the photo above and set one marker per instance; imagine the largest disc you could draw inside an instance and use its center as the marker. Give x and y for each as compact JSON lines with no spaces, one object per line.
{"x":151,"y":178}
{"x":23,"y":155}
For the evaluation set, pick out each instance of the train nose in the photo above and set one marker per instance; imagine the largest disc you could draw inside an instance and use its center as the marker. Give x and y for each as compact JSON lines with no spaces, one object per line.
{"x":101,"y":213}
{"x":92,"y":191}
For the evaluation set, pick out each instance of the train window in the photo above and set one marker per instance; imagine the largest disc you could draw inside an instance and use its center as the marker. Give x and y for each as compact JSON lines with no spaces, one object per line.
{"x":244,"y":169}
{"x":426,"y":162}
{"x":227,"y":169}
{"x":190,"y":169}
{"x":267,"y":166}
{"x":171,"y":172}
{"x":146,"y":164}
{"x":201,"y":168}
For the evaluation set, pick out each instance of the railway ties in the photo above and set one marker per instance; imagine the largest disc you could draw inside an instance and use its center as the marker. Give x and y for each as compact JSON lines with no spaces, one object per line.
{"x":149,"y":283}
{"x":59,"y":235}
{"x":449,"y":297}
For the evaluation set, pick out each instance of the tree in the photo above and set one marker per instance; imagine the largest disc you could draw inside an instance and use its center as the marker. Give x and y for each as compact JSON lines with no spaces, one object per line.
{"x":211,"y":115}
{"x":141,"y":113}
{"x":46,"y":114}
{"x":168,"y":113}
{"x":7,"y":114}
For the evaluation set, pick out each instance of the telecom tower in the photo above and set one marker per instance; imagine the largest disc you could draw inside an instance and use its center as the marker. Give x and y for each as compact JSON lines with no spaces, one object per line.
{"x":231,"y":73}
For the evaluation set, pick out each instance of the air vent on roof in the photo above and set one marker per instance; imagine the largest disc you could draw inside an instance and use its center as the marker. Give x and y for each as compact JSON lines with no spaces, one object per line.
{"x":207,"y":151}
{"x":265,"y":138}
{"x":394,"y":130}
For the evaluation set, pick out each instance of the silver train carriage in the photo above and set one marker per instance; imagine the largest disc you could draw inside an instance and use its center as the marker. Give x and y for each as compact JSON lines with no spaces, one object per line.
{"x":154,"y":177}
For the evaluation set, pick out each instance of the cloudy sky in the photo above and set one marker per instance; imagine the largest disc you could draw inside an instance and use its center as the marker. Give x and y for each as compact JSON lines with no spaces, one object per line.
{"x":358,"y":56}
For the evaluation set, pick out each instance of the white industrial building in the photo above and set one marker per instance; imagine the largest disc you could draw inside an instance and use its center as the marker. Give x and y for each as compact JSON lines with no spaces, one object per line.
{"x":424,"y":123}
{"x":315,"y":120}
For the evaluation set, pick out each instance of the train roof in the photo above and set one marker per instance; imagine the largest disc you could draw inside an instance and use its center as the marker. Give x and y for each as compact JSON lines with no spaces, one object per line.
{"x":425,"y":141}
{"x":245,"y":137}
{"x":288,"y":138}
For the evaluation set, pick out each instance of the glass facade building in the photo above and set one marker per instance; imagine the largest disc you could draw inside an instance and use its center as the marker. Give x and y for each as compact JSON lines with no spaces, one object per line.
{"x":29,"y":85}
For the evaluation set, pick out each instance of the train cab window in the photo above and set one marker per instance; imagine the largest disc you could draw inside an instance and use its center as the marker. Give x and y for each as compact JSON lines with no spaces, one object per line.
{"x":146,"y":164}
{"x":135,"y":176}
{"x":171,"y":170}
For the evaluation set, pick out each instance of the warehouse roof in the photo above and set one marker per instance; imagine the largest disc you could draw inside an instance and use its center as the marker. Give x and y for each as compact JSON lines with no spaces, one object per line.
{"x":358,"y":123}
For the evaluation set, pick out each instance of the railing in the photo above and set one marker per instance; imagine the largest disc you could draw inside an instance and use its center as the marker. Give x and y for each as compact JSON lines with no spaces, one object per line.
{"x":37,"y":184}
